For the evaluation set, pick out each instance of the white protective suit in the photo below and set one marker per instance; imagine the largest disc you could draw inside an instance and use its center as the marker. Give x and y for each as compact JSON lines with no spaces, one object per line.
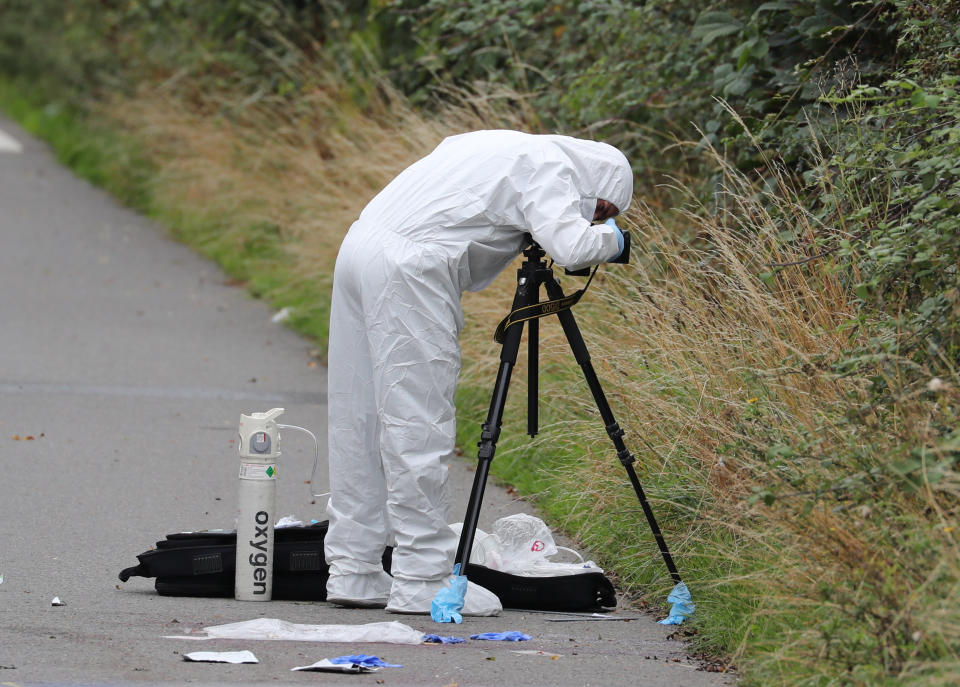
{"x":450,"y":222}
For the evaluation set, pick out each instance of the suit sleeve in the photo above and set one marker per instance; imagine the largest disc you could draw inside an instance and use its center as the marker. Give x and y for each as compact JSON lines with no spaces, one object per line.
{"x":551,"y":209}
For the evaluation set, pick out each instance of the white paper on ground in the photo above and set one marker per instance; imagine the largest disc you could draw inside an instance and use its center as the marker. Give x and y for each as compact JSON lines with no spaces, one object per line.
{"x":272,"y":628}
{"x":221,"y":657}
{"x":8,"y":144}
{"x":325,"y":665}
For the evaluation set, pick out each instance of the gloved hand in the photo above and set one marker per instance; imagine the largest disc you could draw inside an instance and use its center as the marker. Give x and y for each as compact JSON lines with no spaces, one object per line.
{"x":612,"y":223}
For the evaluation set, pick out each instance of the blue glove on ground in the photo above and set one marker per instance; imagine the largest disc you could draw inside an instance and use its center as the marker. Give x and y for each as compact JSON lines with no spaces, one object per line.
{"x":502,"y":636}
{"x":437,"y":639}
{"x":365,"y":660}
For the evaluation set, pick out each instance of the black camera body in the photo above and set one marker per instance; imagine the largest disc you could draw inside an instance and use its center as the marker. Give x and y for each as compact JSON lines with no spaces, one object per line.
{"x":624,"y":257}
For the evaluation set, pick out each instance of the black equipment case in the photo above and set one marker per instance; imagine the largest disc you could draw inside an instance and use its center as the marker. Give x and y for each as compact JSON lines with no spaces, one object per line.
{"x":204,"y":563}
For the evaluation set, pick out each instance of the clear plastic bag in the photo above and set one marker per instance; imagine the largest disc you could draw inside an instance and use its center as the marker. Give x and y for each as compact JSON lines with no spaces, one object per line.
{"x":525,"y":541}
{"x":486,"y":548}
{"x":522,"y":544}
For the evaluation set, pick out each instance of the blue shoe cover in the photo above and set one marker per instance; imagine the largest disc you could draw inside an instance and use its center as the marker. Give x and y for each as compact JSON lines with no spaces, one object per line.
{"x":682,"y":605}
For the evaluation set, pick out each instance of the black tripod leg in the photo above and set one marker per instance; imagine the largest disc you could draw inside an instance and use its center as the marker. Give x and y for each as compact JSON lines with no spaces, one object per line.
{"x":575,"y":339}
{"x":490,"y":432}
{"x":533,"y":376}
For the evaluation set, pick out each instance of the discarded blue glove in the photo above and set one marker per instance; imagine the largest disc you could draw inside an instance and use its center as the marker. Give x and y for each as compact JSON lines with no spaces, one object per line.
{"x":502,"y":636}
{"x":612,"y":223}
{"x":437,"y":639}
{"x":448,"y":602}
{"x":682,"y":605}
{"x":365,"y":660}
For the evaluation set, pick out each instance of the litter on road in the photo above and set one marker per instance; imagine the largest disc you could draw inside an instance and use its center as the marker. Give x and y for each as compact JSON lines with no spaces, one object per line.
{"x":221,"y":657}
{"x":275,"y":629}
{"x":437,"y":639}
{"x":365,"y":660}
{"x":55,"y":601}
{"x":288,"y":521}
{"x":502,"y":636}
{"x":327,"y":666}
{"x":282,"y":315}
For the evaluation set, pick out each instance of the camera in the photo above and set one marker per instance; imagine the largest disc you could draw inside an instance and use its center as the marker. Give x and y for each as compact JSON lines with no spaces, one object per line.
{"x":622,"y":259}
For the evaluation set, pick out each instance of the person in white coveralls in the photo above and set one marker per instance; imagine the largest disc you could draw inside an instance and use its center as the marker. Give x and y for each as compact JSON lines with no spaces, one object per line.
{"x":449,"y":223}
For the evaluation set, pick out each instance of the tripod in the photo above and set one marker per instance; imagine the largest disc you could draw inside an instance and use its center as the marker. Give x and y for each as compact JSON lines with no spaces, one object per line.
{"x":527,"y":308}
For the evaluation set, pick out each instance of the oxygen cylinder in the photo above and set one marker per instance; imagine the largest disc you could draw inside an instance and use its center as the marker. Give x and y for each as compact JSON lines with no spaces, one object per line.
{"x":259,"y":450}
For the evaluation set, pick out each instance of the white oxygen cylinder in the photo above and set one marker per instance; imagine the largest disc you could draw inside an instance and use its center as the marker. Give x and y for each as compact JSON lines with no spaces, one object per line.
{"x":259,"y":450}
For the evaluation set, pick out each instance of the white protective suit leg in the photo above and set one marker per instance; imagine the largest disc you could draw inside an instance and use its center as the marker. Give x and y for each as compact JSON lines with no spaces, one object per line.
{"x":413,"y":323}
{"x":397,"y":304}
{"x":413,"y":333}
{"x":358,"y":530}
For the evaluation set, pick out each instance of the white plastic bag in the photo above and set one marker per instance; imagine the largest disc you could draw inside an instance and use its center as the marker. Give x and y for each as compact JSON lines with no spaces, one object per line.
{"x":522,"y":544}
{"x":485,"y":550}
{"x":525,"y":541}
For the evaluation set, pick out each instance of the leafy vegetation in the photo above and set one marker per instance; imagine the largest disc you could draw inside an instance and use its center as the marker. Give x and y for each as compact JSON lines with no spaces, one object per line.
{"x":783,"y":353}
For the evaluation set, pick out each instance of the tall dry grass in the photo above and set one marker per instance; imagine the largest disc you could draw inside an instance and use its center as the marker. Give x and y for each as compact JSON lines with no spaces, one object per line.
{"x":305,"y":166}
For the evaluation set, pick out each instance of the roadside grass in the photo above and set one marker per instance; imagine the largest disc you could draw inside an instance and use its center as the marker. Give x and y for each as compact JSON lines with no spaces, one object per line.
{"x":812,"y":558}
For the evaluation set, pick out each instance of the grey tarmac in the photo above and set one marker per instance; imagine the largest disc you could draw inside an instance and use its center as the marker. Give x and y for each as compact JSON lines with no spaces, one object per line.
{"x":125,"y":363}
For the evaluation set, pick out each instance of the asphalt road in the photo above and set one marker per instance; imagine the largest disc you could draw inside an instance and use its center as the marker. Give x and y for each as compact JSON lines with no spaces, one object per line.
{"x":125,"y":362}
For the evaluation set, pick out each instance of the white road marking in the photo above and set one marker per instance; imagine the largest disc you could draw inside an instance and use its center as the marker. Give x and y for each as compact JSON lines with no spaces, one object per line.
{"x":8,"y":144}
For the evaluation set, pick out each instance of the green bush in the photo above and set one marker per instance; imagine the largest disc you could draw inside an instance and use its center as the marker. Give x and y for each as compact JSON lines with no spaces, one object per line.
{"x":891,"y":194}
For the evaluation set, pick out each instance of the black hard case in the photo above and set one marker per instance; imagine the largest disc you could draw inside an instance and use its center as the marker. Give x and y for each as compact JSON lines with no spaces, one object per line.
{"x":204,"y":564}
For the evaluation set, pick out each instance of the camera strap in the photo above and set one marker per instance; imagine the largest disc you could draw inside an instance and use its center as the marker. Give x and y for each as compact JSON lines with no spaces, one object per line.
{"x":542,"y":309}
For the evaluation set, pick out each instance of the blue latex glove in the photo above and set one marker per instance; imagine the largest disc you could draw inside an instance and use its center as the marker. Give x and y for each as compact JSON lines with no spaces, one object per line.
{"x":502,"y":636}
{"x":682,"y":605}
{"x":365,"y":660}
{"x":612,"y":223}
{"x":447,"y":604}
{"x":437,"y":639}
